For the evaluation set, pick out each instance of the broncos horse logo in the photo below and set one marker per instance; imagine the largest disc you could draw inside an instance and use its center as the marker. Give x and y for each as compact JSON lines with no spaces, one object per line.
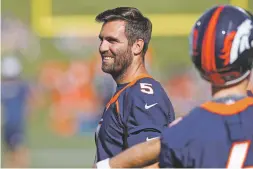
{"x":236,"y":42}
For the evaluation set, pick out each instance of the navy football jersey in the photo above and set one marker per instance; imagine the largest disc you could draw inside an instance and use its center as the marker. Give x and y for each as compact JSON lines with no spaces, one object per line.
{"x":137,"y":112}
{"x":217,"y":134}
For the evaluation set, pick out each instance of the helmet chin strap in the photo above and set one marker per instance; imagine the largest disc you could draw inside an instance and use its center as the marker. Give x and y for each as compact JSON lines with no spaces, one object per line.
{"x":231,"y":82}
{"x":228,"y":83}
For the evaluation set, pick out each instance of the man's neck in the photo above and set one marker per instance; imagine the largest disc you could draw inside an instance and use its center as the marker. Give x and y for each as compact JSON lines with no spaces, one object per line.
{"x":131,"y":73}
{"x":235,"y":90}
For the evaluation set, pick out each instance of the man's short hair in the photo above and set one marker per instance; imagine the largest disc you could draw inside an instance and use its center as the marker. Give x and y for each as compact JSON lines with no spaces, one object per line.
{"x":137,"y":26}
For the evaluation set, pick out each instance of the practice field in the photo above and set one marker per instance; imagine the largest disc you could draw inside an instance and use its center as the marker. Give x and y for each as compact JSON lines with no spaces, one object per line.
{"x":172,"y":21}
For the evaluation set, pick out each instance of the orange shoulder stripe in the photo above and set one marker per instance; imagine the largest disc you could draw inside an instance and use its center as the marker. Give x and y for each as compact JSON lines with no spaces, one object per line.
{"x":116,"y":96}
{"x":224,"y":109}
{"x":117,"y":106}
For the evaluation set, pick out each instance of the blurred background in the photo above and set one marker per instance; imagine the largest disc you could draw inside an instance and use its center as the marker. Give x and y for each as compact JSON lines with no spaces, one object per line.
{"x":51,"y":71}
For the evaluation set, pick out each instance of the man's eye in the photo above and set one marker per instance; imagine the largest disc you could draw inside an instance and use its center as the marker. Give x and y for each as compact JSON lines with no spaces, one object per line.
{"x":112,"y":40}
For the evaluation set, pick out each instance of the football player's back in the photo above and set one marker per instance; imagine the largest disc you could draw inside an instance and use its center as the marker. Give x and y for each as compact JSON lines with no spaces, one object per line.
{"x":235,"y":130}
{"x":216,"y":134}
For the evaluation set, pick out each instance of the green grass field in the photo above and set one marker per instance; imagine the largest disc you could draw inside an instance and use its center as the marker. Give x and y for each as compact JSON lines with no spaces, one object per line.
{"x":49,"y":150}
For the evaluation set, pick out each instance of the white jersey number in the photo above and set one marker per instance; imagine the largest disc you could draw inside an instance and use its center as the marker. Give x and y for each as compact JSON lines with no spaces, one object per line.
{"x":146,"y":88}
{"x":238,"y":154}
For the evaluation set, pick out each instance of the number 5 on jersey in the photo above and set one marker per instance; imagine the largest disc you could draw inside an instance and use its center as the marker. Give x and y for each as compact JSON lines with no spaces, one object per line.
{"x":146,"y":88}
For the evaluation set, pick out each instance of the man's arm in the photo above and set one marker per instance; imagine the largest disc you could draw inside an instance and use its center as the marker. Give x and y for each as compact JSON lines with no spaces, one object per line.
{"x":146,"y":115}
{"x":137,"y":156}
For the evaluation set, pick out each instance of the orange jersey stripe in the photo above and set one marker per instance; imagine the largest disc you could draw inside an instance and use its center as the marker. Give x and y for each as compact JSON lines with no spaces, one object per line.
{"x":117,"y":106}
{"x":116,"y":96}
{"x":208,"y":50}
{"x":224,"y":109}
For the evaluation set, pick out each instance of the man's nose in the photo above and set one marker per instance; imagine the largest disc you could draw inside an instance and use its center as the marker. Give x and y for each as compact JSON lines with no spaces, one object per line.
{"x":104,"y":46}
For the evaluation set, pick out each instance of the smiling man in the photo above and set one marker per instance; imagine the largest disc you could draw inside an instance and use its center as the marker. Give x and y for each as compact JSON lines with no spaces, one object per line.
{"x":140,"y":108}
{"x":218,"y":133}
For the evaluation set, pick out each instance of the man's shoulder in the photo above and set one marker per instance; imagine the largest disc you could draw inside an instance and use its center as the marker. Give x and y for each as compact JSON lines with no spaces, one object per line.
{"x":145,"y":91}
{"x":185,"y":128}
{"x":200,"y":125}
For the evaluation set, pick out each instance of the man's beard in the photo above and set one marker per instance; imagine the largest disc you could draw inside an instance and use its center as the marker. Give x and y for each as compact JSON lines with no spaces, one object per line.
{"x":121,"y":61}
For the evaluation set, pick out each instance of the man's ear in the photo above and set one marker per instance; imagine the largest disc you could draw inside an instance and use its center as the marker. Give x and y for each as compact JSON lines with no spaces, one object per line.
{"x":138,"y":47}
